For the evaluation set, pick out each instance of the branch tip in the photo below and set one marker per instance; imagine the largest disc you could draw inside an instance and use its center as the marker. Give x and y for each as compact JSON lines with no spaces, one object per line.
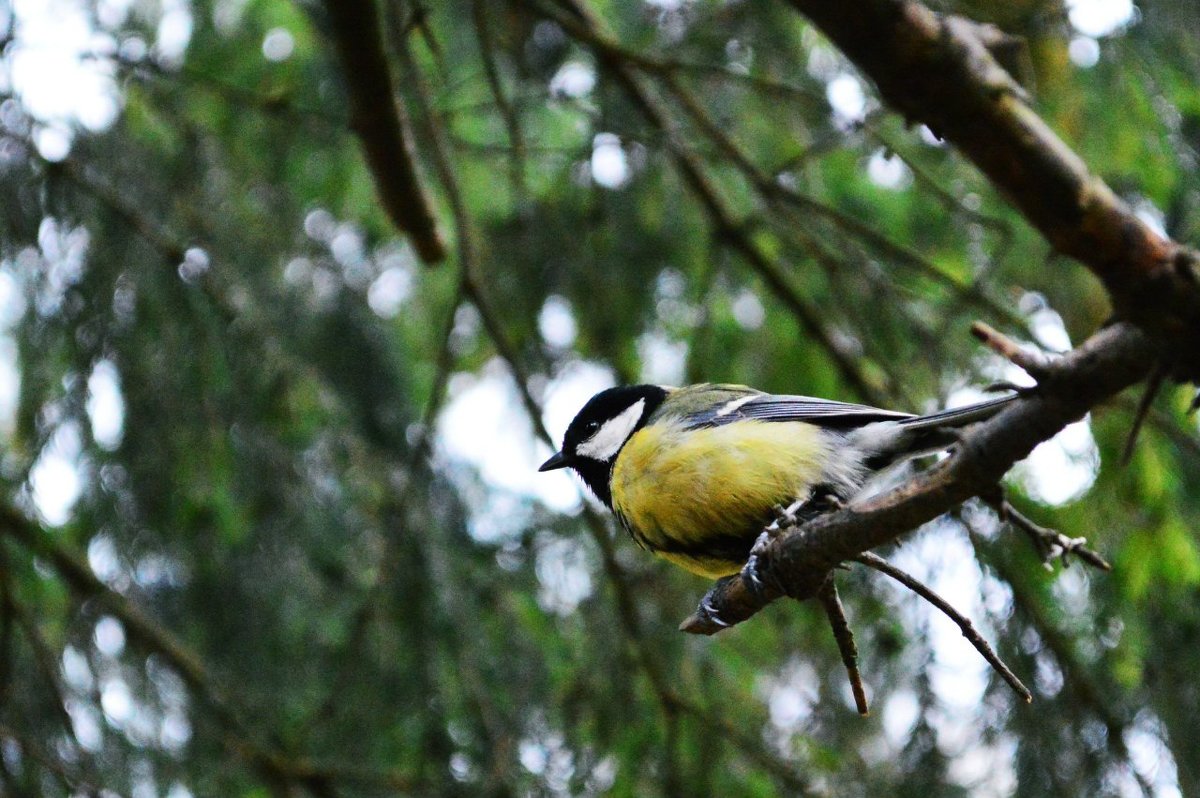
{"x":692,"y":625}
{"x":1033,"y":363}
{"x":845,"y":642}
{"x":1050,"y":543}
{"x":1152,"y":388}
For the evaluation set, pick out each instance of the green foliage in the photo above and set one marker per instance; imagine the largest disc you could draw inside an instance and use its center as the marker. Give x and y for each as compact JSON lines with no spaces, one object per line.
{"x":375,"y":610}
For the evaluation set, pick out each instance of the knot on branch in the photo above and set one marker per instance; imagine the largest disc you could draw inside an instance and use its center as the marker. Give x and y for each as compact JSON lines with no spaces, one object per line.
{"x":996,"y":59}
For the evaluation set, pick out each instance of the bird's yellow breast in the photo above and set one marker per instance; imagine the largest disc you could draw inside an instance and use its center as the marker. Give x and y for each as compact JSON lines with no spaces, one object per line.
{"x":678,"y":490}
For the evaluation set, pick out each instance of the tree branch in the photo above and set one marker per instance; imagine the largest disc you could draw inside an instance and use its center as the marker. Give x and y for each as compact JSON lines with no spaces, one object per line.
{"x":798,"y":560}
{"x":74,"y":571}
{"x":381,"y":125}
{"x":964,"y":624}
{"x":939,"y":70}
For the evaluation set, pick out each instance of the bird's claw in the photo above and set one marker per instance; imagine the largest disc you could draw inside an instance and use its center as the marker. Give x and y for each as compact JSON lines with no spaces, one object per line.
{"x":710,"y":612}
{"x":792,"y":515}
{"x":751,"y":571}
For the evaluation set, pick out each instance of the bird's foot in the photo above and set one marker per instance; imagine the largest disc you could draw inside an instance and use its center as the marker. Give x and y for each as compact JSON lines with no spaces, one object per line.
{"x":709,"y":612}
{"x":752,"y":573}
{"x":820,"y":500}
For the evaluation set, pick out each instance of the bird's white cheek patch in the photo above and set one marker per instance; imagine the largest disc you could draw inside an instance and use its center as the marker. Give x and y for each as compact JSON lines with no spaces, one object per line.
{"x":609,"y":439}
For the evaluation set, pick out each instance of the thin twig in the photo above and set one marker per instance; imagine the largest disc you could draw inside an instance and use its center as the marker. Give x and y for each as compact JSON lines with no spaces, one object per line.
{"x":580,"y":21}
{"x":512,"y":119}
{"x":968,"y":629}
{"x":1032,"y":362}
{"x":945,"y":196}
{"x":1050,"y":543}
{"x":1153,"y":385}
{"x":1166,"y":424}
{"x":74,"y":571}
{"x":845,"y":641}
{"x":418,"y":20}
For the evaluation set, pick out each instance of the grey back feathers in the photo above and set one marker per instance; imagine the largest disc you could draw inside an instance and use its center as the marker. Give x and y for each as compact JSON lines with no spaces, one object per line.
{"x":865,"y":438}
{"x":836,"y":415}
{"x":776,"y":407}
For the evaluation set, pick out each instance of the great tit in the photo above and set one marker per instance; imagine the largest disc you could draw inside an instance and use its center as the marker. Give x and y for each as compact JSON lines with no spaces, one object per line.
{"x":695,"y":474}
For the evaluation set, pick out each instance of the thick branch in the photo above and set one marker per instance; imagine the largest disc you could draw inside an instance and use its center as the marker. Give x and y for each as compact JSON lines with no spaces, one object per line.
{"x":800,"y":558}
{"x":938,"y":70}
{"x":380,"y":123}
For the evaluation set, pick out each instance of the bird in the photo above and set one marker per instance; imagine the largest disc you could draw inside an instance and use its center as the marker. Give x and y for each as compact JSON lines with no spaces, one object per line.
{"x":695,"y":474}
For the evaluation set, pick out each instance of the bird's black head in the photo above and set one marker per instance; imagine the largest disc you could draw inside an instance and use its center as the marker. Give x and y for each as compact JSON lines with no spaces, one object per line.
{"x":599,"y":431}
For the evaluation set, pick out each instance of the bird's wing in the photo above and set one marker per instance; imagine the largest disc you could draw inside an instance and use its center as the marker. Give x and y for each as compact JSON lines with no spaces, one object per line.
{"x":777,"y":407}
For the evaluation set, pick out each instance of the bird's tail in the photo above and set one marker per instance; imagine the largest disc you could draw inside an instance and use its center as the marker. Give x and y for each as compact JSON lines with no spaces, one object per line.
{"x":959,"y":416}
{"x":921,"y":435}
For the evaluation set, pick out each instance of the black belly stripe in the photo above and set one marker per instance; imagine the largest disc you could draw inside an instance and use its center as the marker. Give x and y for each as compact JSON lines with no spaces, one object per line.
{"x":730,"y":548}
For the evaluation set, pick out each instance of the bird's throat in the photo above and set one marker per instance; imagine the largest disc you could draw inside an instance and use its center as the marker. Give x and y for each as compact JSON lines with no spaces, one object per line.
{"x":597,"y":475}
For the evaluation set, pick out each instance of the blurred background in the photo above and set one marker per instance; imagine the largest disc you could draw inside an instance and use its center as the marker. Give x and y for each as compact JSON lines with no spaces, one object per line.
{"x":270,"y":520}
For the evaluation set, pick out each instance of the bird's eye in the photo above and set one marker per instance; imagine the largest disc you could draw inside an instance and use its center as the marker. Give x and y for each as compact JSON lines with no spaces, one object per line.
{"x":592,"y":426}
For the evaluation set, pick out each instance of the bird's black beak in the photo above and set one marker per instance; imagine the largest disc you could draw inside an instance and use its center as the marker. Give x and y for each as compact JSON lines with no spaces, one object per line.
{"x":556,"y":461}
